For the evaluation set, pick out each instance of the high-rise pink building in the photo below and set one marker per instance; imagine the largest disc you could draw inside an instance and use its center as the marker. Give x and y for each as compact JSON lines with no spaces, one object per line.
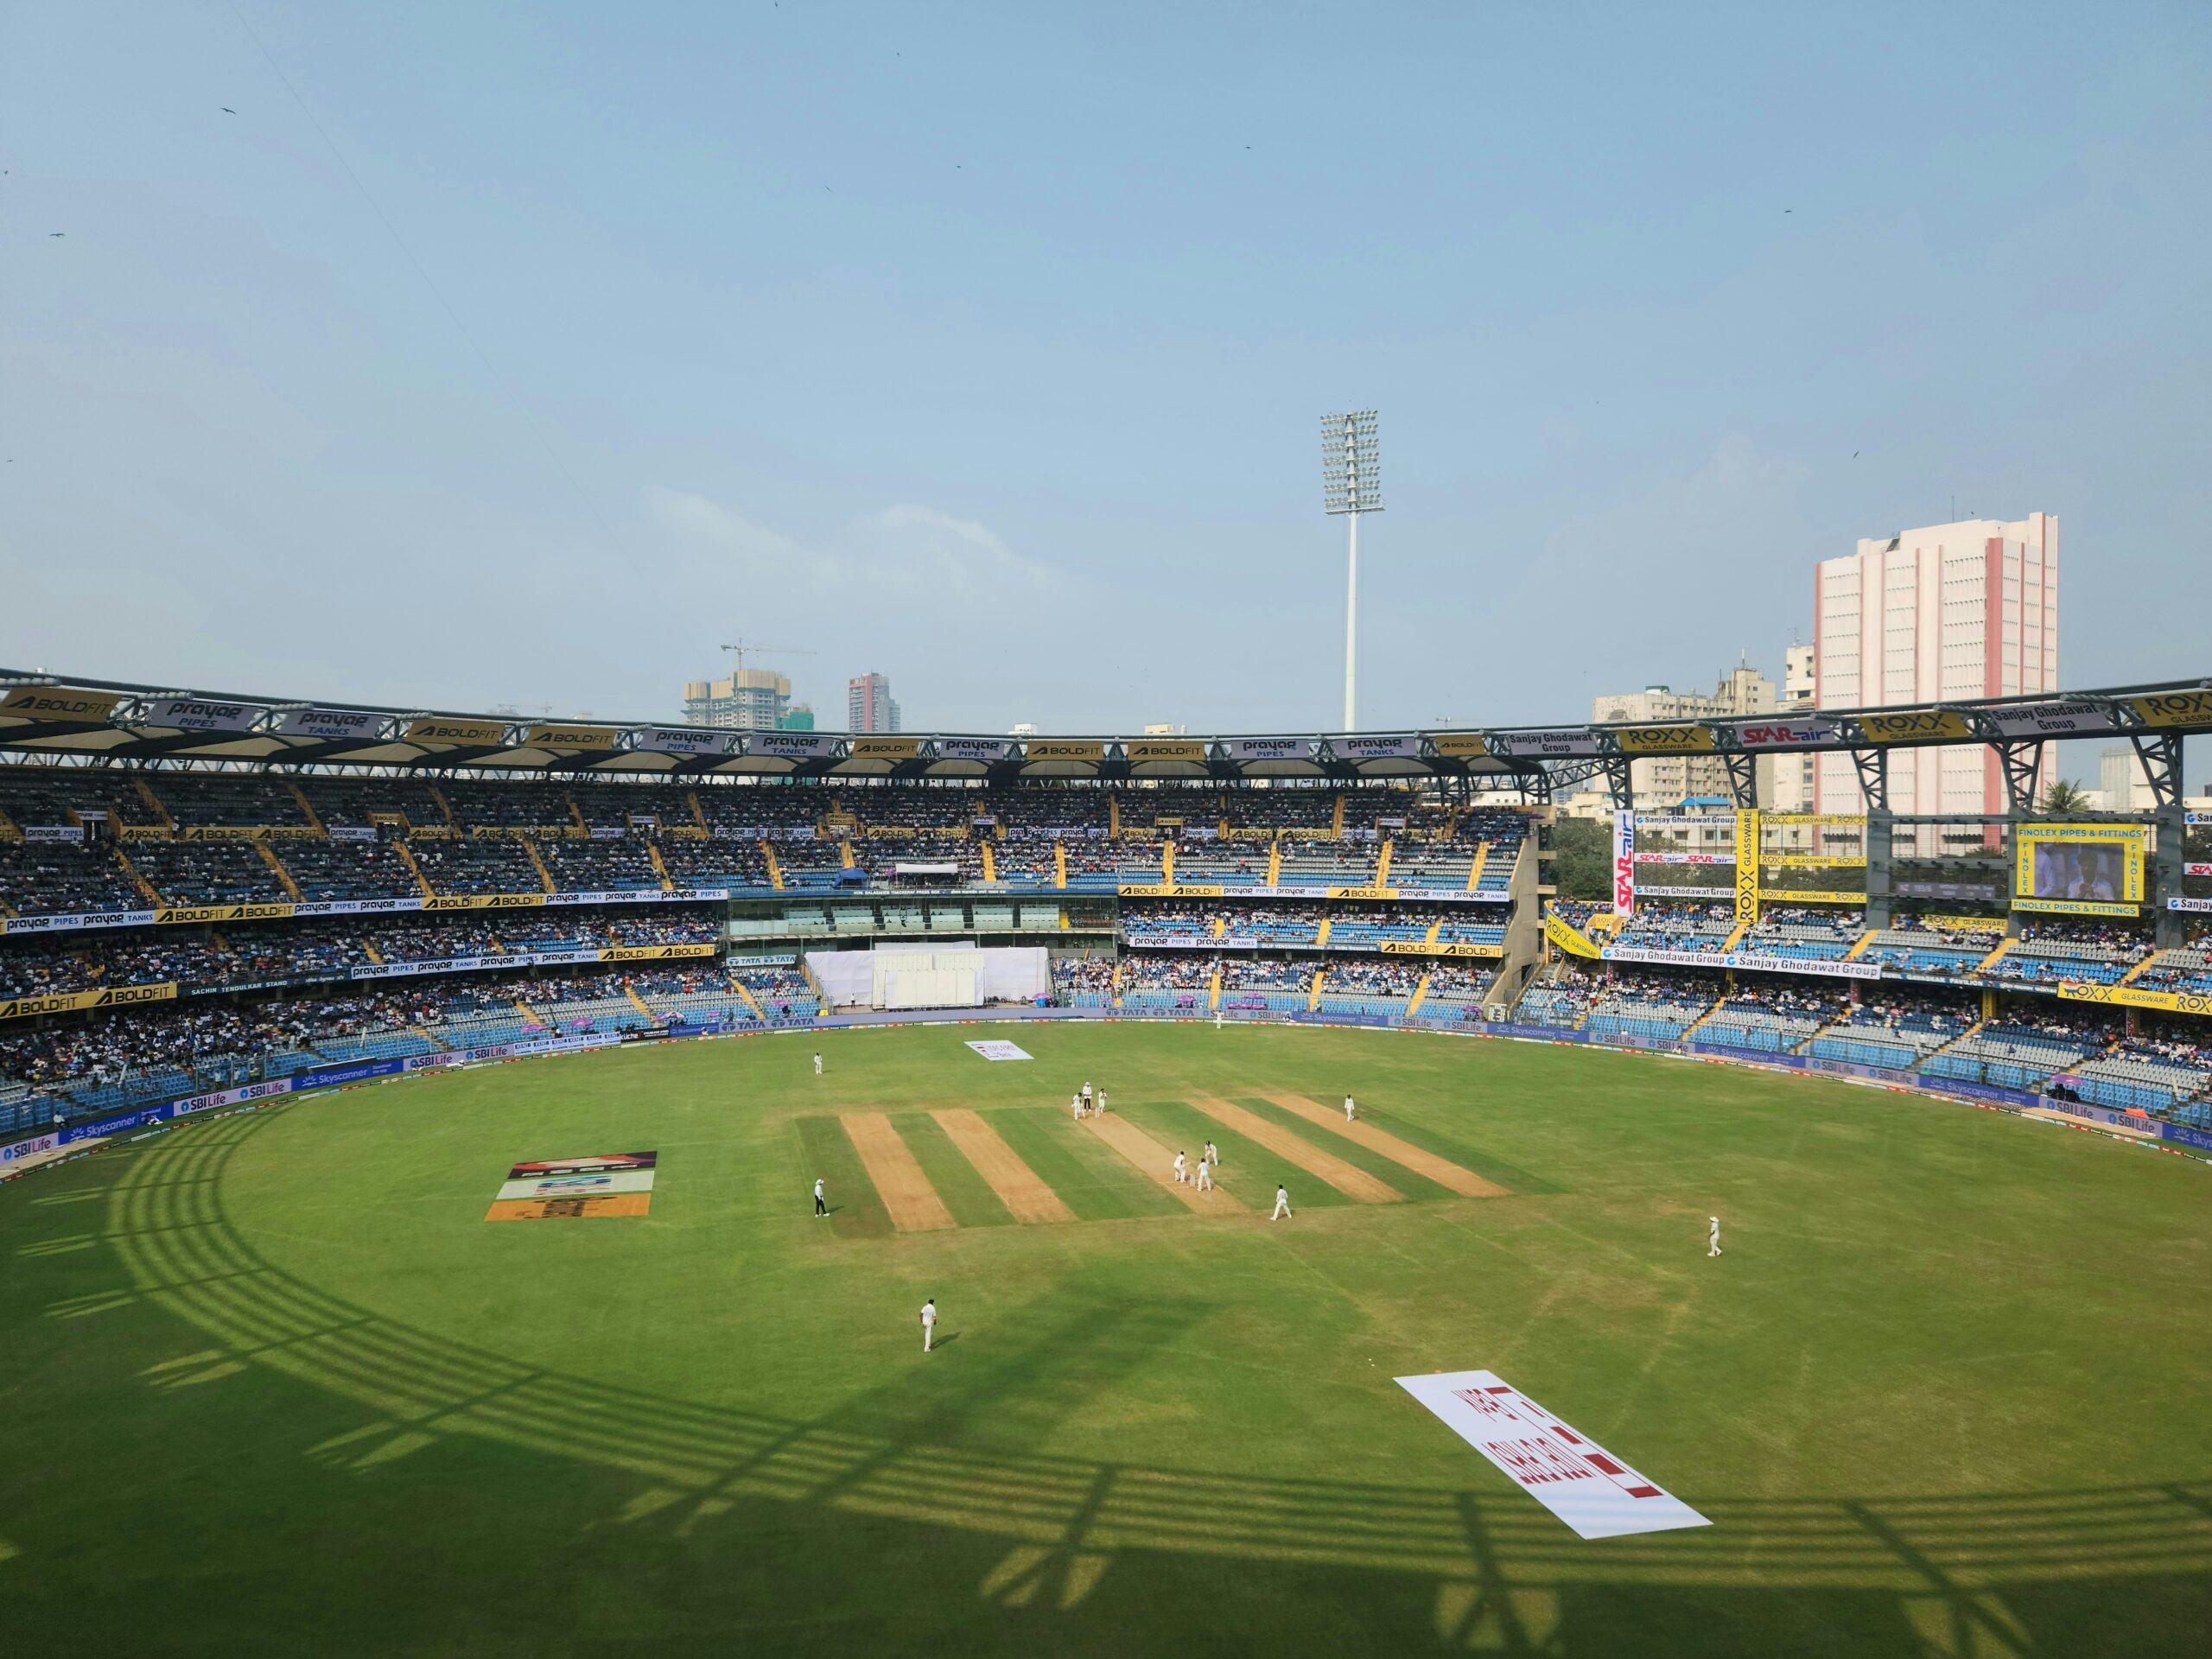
{"x":1953,"y":611}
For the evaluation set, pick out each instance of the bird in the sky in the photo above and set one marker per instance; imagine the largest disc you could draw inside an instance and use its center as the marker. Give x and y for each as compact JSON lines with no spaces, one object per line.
{"x":57,"y":233}
{"x":227,"y":110}
{"x":1854,"y":454}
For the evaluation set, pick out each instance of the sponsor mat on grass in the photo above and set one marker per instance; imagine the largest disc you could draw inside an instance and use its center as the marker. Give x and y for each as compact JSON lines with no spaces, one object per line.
{"x":568,"y":1189}
{"x":1578,"y":1480}
{"x":998,"y":1049}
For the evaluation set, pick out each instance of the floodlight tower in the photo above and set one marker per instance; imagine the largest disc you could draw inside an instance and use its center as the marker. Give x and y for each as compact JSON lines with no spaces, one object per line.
{"x":1351,"y":483}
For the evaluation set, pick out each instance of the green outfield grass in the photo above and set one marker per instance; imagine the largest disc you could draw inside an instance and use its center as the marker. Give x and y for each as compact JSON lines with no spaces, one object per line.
{"x":274,"y":1386}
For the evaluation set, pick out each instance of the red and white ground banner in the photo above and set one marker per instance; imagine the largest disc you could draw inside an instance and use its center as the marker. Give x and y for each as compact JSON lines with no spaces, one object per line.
{"x":1578,"y":1480}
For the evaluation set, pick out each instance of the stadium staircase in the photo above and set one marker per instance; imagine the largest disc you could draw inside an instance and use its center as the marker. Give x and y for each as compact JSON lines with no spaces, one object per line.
{"x":369,"y":946}
{"x":576,"y":815}
{"x":1420,"y":991}
{"x":1475,"y":868}
{"x":446,"y":807}
{"x":437,"y":1046}
{"x":775,"y":870}
{"x":698,"y":813}
{"x":1113,"y":816}
{"x":660,"y":865}
{"x":1383,"y":864}
{"x":1167,"y":861}
{"x":145,"y":887}
{"x":407,"y":857}
{"x":1059,"y":864}
{"x":1274,"y":862}
{"x":1313,"y":995}
{"x":1864,"y":939}
{"x":154,"y":804}
{"x":1991,"y":961}
{"x":307,"y":809}
{"x":8,"y":829}
{"x":528,"y":1015}
{"x":1337,"y":819}
{"x":537,"y":861}
{"x":1736,"y":937}
{"x":276,"y":866}
{"x":745,"y":996}
{"x":1213,"y":991}
{"x":630,"y":991}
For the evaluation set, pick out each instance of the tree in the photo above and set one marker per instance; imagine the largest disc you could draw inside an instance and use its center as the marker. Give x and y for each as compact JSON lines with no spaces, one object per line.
{"x":1582,"y":861}
{"x":2063,"y":799}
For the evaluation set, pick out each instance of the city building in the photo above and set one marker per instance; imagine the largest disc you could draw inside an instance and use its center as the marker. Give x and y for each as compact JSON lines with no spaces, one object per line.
{"x":800,"y":717}
{"x":750,"y":699}
{"x":1669,"y":780}
{"x":1794,"y":783}
{"x":1963,"y":610}
{"x":2123,"y":781}
{"x":1023,"y":729}
{"x":869,"y":705}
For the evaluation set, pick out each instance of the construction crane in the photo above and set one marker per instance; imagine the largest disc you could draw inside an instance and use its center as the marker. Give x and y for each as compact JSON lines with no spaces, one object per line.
{"x":741,"y":648}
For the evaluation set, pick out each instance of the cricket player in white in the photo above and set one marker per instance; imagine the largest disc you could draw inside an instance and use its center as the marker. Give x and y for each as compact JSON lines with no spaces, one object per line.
{"x":1182,"y":1172}
{"x":1282,"y":1202}
{"x":1086,"y":1094}
{"x":1213,"y":1153}
{"x":929,"y":1322}
{"x":1206,"y":1176}
{"x":817,"y":1066}
{"x":1715,"y":1250}
{"x":1216,"y":1019}
{"x":820,"y":1208}
{"x":1347,"y":1109}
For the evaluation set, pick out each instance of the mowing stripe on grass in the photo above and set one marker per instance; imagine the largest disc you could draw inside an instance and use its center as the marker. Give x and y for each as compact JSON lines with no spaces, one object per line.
{"x":908,"y":1198}
{"x":1096,"y":1181}
{"x":1354,"y":1183}
{"x":1018,"y":1186}
{"x":1442,"y":1171}
{"x":1155,"y":1160}
{"x":855,"y":1210}
{"x":965,"y":1193}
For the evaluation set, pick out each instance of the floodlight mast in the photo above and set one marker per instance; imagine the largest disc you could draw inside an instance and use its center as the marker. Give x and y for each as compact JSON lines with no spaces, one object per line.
{"x":1351,"y":483}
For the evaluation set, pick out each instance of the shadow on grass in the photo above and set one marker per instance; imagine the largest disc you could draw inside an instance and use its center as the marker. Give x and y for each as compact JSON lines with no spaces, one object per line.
{"x":1082,"y":1555}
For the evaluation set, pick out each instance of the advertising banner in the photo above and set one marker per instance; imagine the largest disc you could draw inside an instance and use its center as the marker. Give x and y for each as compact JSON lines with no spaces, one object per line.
{"x":194,"y":715}
{"x":1670,"y":890}
{"x":1154,"y":751}
{"x":2052,"y":719}
{"x":874,"y":747}
{"x":1567,"y":938}
{"x":1775,"y":734}
{"x":1685,"y":858}
{"x":24,"y":1008}
{"x":1543,"y":746}
{"x":591,"y":738}
{"x":54,"y":832}
{"x":984,"y":749}
{"x":66,"y":704}
{"x":1459,"y":746}
{"x":1623,"y":863}
{"x":2171,"y":709}
{"x":686,"y":740}
{"x":1751,"y":960}
{"x":1922,"y":726}
{"x":1054,"y":749}
{"x":1595,"y":1493}
{"x":2186,"y":869}
{"x":791,"y":745}
{"x":1269,"y":749}
{"x":475,"y":734}
{"x":332,"y":725}
{"x":2193,"y":905}
{"x":1720,"y":823}
{"x":17,"y":1151}
{"x":1375,"y":748}
{"x":2131,"y":997}
{"x":1666,"y":739}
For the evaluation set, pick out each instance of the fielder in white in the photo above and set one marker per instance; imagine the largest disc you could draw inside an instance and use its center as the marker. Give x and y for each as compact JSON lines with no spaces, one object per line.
{"x":1282,"y":1203}
{"x":1715,"y":1250}
{"x":1075,"y":1105}
{"x":1216,"y":1019}
{"x":1347,"y":1109}
{"x":929,"y":1322}
{"x":1213,"y":1155}
{"x":1182,"y":1172}
{"x":817,"y":1066}
{"x":1206,"y":1176}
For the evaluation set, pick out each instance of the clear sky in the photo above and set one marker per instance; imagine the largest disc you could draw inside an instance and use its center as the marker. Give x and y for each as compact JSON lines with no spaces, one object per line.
{"x":526,"y":353}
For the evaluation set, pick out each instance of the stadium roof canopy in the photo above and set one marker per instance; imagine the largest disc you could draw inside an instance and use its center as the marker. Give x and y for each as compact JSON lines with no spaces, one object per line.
{"x":45,"y":715}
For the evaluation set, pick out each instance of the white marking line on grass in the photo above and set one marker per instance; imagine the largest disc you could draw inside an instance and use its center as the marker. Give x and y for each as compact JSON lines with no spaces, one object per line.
{"x":1595,"y":1493}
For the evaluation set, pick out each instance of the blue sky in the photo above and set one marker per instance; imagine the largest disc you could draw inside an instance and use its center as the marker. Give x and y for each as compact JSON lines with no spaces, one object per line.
{"x":984,"y":346}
